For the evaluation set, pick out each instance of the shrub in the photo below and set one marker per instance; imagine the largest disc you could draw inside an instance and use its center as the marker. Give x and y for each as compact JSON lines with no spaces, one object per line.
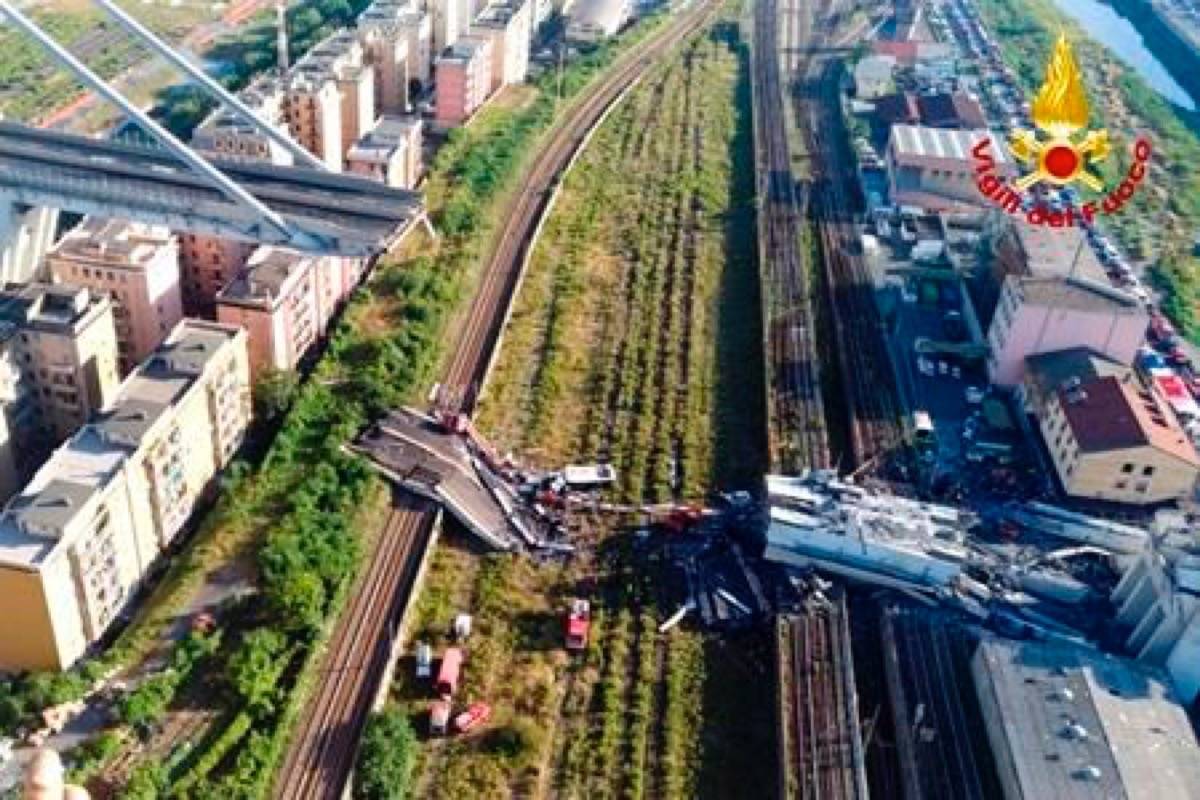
{"x":387,"y":757}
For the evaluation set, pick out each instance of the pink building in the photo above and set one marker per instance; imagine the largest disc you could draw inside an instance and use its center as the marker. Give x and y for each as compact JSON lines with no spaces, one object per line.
{"x":208,"y":264}
{"x":1045,"y":314}
{"x":464,"y":80}
{"x":285,"y":300}
{"x":138,"y":267}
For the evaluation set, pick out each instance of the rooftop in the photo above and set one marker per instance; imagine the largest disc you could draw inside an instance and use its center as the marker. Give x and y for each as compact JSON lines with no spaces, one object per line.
{"x":48,"y":307}
{"x":1115,"y":413}
{"x":1057,"y":252}
{"x":34,"y":521}
{"x":1050,"y":371}
{"x":464,"y":50}
{"x":115,"y":242}
{"x":389,"y":134}
{"x":266,"y":276}
{"x":1082,"y":724}
{"x":922,"y":142}
{"x":1077,"y":294}
{"x":498,"y":15}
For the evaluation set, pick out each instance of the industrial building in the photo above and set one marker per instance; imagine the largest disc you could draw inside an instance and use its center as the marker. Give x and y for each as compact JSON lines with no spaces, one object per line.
{"x":933,"y":168}
{"x":390,"y":152}
{"x":77,"y":541}
{"x":137,"y":266}
{"x":1109,"y":436}
{"x":1071,"y":722}
{"x":1037,"y":315}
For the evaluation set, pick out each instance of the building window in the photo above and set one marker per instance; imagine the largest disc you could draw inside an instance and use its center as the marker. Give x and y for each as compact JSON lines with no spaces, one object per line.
{"x":1127,"y":467}
{"x":1142,"y":486}
{"x":1147,"y":471}
{"x":1122,"y":484}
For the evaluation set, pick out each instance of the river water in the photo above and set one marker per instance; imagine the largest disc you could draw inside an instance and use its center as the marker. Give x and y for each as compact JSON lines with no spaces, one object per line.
{"x":1119,"y":35}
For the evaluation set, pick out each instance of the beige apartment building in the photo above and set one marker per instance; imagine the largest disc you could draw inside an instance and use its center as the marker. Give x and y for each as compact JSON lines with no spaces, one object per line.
{"x":66,"y":347}
{"x":76,"y":543}
{"x":399,"y":42}
{"x":229,"y":136}
{"x":507,"y":25}
{"x":389,"y":153}
{"x":137,"y":266}
{"x":1109,"y":436}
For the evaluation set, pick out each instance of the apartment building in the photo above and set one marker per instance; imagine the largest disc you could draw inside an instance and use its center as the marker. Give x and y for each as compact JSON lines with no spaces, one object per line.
{"x":21,"y":440}
{"x":1109,"y":436}
{"x":65,"y":344}
{"x":284,"y":300}
{"x":76,"y":543}
{"x":137,"y":266}
{"x":1044,"y":314}
{"x":390,"y":152}
{"x":464,"y":74}
{"x":229,"y":136}
{"x":398,"y":39}
{"x":338,"y":60}
{"x":507,"y":25}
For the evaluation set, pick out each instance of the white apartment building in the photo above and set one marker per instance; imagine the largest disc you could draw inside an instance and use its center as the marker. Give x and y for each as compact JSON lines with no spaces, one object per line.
{"x":77,"y":541}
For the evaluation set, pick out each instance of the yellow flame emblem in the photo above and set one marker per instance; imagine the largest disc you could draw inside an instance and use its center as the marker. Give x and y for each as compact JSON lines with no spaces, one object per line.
{"x":1060,"y":110}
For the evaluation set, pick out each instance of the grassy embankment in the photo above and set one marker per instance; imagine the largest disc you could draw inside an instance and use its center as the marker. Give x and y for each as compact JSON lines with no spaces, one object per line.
{"x":637,"y":322}
{"x":1162,"y":222}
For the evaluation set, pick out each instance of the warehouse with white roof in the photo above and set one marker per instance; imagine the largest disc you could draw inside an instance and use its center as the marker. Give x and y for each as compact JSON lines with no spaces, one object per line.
{"x":934,"y":168}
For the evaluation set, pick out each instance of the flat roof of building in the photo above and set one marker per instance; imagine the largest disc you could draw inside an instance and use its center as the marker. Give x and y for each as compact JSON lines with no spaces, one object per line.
{"x":114,"y":242}
{"x":1065,"y":709}
{"x":390,"y":133}
{"x":1057,"y":252}
{"x":1051,"y":371}
{"x":465,"y":49}
{"x":51,"y":307}
{"x":1077,"y":294}
{"x":919,"y":142}
{"x":268,"y":272}
{"x":34,"y":521}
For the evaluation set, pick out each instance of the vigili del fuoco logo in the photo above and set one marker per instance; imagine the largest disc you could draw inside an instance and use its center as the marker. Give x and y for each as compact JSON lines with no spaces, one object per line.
{"x":1055,"y":154}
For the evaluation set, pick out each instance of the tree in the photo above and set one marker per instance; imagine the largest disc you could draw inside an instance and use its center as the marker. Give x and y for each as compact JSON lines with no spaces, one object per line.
{"x":148,"y":702}
{"x":255,"y":667}
{"x":274,"y":393}
{"x":299,"y":599}
{"x":387,"y":757}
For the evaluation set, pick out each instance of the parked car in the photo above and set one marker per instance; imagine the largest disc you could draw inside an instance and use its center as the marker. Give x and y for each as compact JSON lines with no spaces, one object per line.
{"x":424,"y":658}
{"x":439,"y":717}
{"x":475,"y":715}
{"x":448,"y":672}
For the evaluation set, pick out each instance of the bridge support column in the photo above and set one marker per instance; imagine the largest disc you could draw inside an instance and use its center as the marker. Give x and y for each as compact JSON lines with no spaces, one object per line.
{"x":26,"y":233}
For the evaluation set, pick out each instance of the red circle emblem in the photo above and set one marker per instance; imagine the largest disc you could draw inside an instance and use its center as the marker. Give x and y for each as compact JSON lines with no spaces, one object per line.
{"x":1061,"y":161}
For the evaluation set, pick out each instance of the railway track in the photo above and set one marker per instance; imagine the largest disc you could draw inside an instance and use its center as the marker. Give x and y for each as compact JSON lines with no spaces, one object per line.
{"x":823,"y":748}
{"x":322,"y":750}
{"x":868,"y":381}
{"x":798,"y":430}
{"x":321,"y":753}
{"x":489,"y":311}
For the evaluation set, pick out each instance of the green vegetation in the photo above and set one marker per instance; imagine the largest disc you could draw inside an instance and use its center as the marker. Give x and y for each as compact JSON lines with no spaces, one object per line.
{"x":146,"y":704}
{"x":640,"y":303}
{"x":656,"y":213}
{"x":1164,"y":217}
{"x":386,"y":758}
